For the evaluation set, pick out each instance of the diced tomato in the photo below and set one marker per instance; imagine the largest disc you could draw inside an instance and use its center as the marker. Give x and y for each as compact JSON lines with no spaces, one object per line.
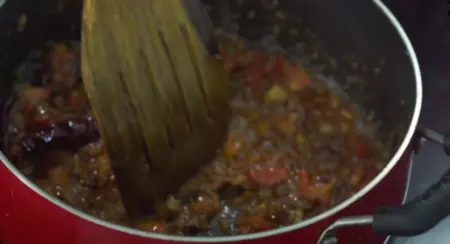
{"x":318,"y":192}
{"x":253,"y":75}
{"x":360,"y":149}
{"x":33,"y":95}
{"x":203,"y":207}
{"x":75,"y":100}
{"x":296,"y":77}
{"x":275,"y":66}
{"x":38,"y":114}
{"x":206,"y":205}
{"x":314,"y":191}
{"x":268,"y":176}
{"x":303,"y":179}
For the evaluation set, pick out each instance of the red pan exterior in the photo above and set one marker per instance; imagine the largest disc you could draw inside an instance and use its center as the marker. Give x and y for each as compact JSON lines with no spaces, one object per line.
{"x":26,"y":217}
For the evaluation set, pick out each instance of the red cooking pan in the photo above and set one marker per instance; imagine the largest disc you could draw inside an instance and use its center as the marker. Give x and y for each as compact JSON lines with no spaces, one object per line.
{"x":358,"y":46}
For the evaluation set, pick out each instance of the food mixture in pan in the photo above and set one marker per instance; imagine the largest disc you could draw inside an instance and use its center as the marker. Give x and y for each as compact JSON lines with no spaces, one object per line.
{"x":294,"y":149}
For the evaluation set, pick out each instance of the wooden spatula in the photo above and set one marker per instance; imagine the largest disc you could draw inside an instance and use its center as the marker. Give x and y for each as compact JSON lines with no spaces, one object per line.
{"x":159,"y":97}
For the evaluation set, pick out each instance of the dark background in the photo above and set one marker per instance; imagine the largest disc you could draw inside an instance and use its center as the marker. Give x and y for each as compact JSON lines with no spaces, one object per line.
{"x":427,"y":23}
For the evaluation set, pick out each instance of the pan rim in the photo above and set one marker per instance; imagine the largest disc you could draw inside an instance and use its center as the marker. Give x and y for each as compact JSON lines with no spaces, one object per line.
{"x":392,"y":162}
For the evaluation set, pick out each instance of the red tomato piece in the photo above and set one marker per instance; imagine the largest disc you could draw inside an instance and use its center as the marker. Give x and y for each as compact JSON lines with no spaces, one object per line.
{"x":276,"y":65}
{"x":314,"y":191}
{"x":319,"y":192}
{"x":296,"y":77}
{"x":253,"y":75}
{"x":33,"y":95}
{"x":303,"y":178}
{"x":75,"y":100}
{"x":38,"y":115}
{"x":269,"y":176}
{"x":360,"y":149}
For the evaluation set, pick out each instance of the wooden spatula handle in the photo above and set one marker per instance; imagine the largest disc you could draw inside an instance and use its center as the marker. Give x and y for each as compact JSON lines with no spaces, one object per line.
{"x":159,"y":98}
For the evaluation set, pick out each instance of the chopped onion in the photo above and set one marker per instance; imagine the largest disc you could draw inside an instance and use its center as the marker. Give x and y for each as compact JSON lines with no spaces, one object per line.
{"x":298,"y":215}
{"x":265,"y":192}
{"x":346,"y":114}
{"x":334,"y":102}
{"x":300,"y":138}
{"x":173,"y":203}
{"x":344,"y":127}
{"x":276,"y":94}
{"x":239,"y":180}
{"x":325,"y":128}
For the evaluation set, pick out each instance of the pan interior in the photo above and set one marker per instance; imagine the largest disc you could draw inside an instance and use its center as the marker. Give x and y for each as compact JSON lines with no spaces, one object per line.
{"x":351,"y":47}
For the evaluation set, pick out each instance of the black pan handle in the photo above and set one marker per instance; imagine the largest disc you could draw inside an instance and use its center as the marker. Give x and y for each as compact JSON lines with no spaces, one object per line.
{"x":413,"y":218}
{"x":423,"y":212}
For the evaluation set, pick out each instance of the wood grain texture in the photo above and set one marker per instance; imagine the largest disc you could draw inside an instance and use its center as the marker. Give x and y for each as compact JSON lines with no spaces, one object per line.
{"x":159,"y":98}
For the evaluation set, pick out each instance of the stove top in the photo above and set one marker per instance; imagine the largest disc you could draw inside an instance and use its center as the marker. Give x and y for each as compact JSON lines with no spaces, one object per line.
{"x":428,"y":26}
